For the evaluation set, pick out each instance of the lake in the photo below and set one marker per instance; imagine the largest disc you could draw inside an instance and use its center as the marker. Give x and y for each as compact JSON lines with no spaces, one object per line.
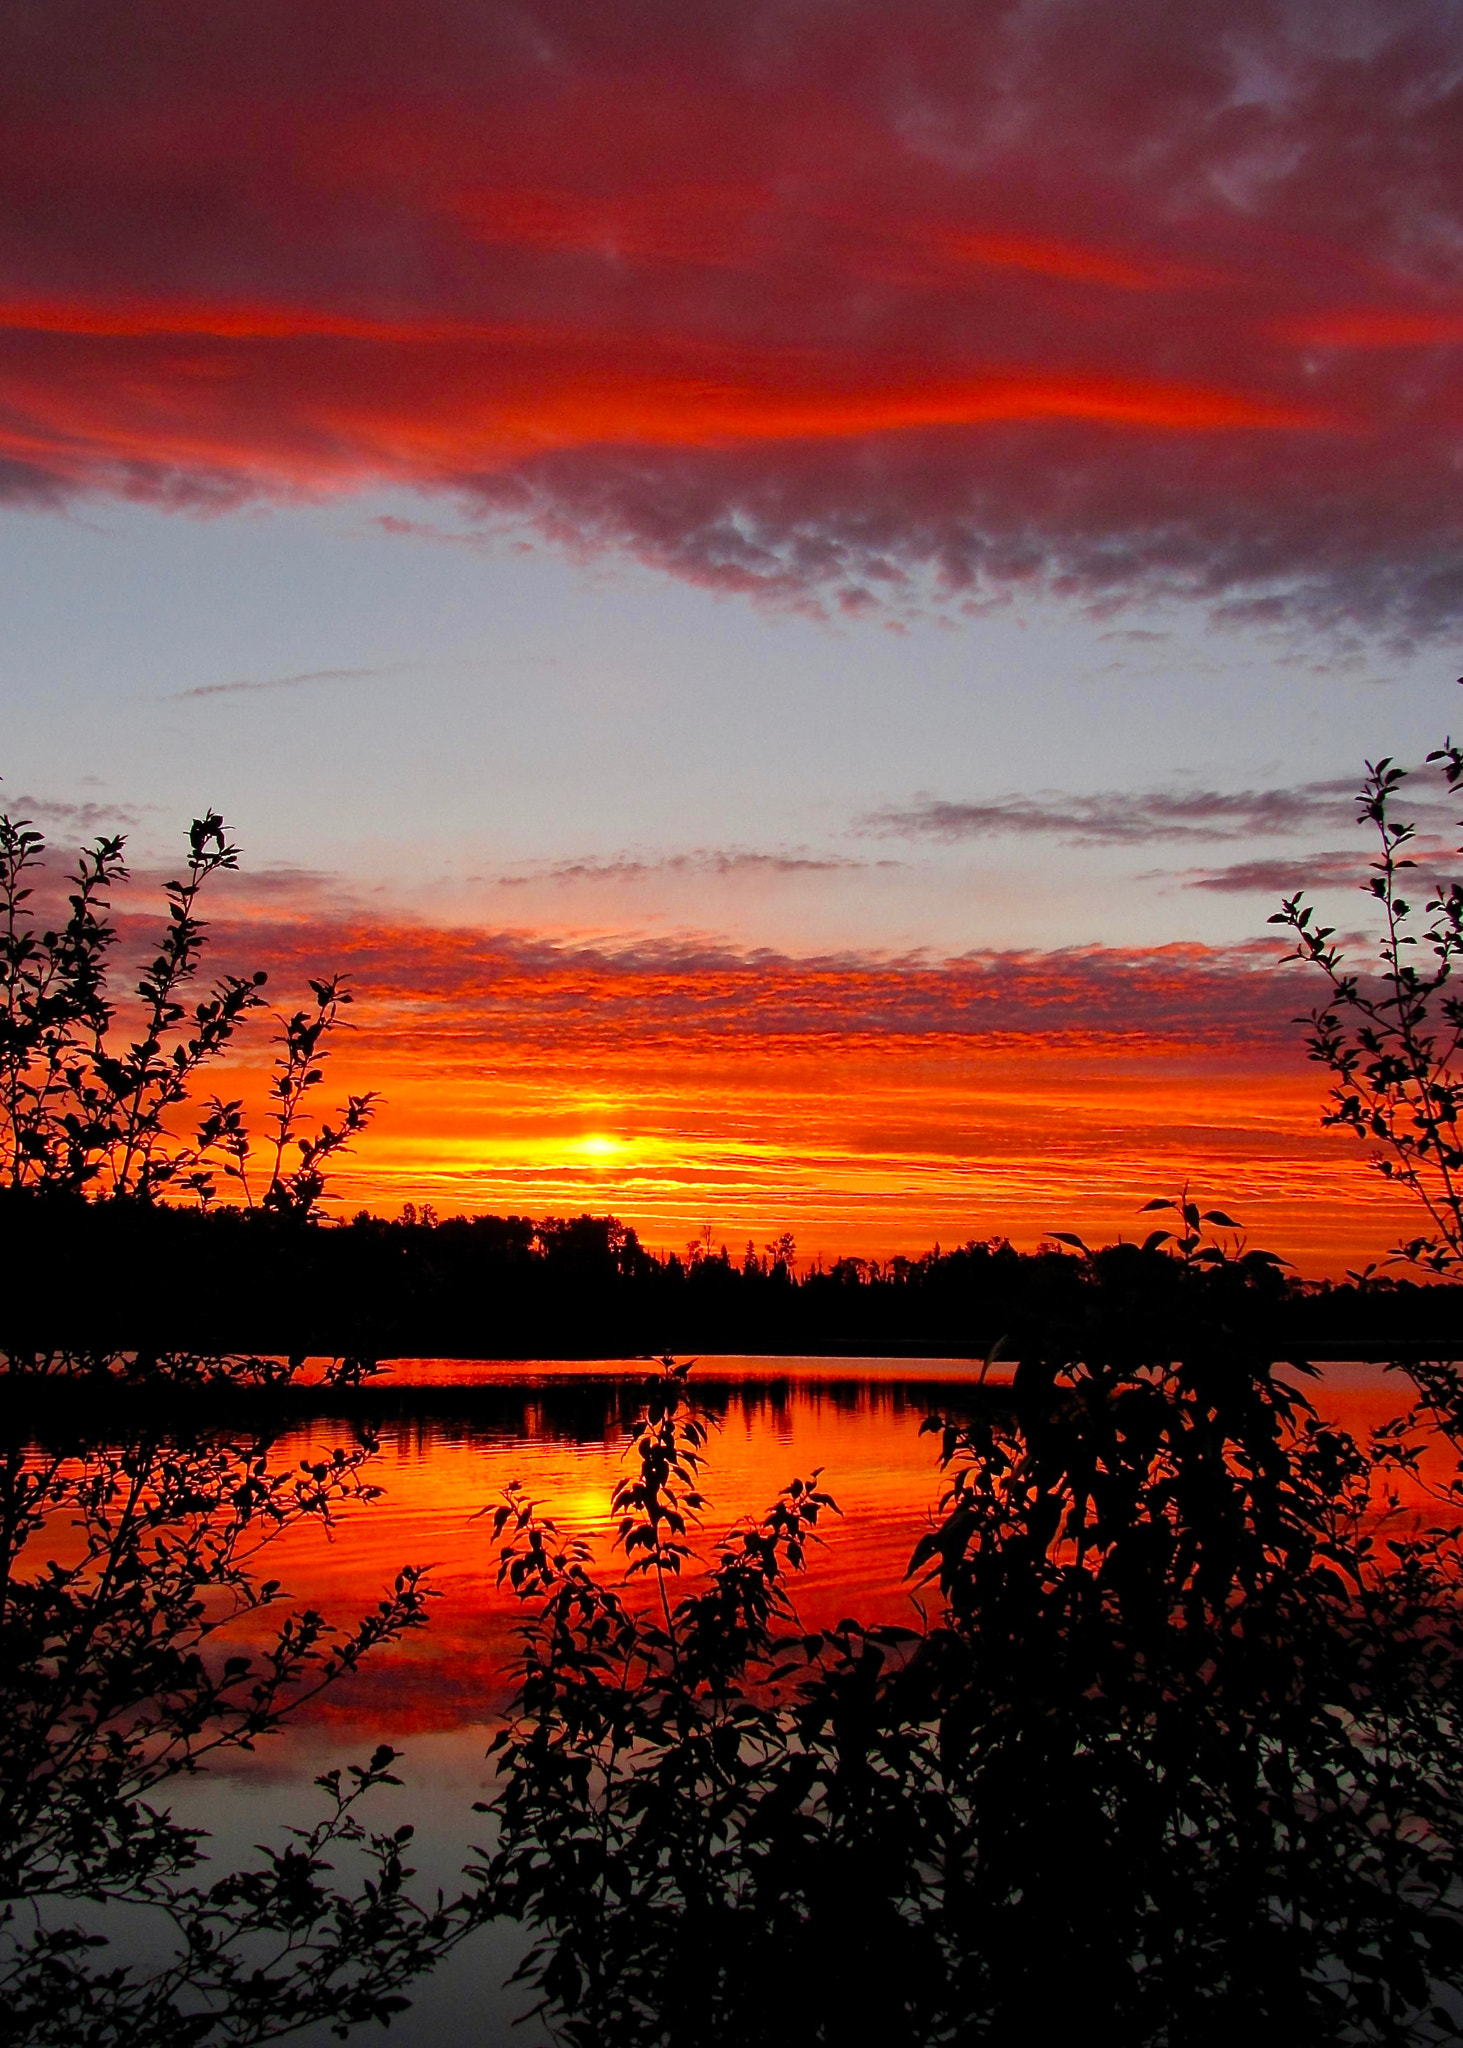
{"x":452,"y":1435}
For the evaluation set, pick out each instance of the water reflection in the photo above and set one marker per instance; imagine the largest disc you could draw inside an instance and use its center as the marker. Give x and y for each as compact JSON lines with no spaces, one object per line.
{"x":445,"y":1456}
{"x":449,"y":1441}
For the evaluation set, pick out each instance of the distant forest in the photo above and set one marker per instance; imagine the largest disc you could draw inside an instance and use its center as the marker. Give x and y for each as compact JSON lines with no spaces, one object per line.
{"x":150,"y":1278}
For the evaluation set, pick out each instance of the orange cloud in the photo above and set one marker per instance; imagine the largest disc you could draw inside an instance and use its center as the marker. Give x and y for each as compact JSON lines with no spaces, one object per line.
{"x":869,"y":1106}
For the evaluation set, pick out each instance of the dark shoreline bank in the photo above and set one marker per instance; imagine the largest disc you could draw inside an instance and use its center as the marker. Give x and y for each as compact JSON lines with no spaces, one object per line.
{"x":104,"y":1278}
{"x":584,"y":1407}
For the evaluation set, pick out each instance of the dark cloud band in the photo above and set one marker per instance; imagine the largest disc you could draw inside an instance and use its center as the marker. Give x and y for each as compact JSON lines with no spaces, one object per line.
{"x":871,"y":306}
{"x":1123,"y":818}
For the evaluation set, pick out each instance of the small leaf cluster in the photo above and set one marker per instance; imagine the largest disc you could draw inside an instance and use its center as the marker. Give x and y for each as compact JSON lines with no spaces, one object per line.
{"x":1195,"y":1246}
{"x":292,"y":1190}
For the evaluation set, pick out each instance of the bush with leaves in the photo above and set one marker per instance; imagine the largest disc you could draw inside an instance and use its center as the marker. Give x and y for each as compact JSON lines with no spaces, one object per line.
{"x":125,"y":1561}
{"x":1392,"y":1040}
{"x":88,"y":1112}
{"x":117,"y":1676}
{"x":81,"y":1113}
{"x":1172,"y":1757}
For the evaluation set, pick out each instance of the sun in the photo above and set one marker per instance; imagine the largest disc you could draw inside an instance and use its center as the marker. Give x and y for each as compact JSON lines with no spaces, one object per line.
{"x":600,"y":1145}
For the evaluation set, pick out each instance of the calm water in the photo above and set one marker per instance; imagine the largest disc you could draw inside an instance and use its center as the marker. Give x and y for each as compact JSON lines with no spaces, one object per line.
{"x":560,"y":1429}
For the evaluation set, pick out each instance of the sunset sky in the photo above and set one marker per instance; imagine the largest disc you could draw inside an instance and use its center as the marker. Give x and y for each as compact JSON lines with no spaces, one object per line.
{"x":784,"y":585}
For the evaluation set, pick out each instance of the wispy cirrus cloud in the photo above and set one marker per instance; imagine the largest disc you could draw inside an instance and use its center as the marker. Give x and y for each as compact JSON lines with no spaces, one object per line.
{"x":1280,"y":877}
{"x":252,"y":685}
{"x":1120,"y":817}
{"x":1273,"y":875}
{"x":840,"y":309}
{"x":728,"y":862}
{"x":85,"y":818}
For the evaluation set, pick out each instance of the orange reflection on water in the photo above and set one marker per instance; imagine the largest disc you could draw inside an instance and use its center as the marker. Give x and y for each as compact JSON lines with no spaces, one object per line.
{"x":561,"y":1430}
{"x":564,"y":1439}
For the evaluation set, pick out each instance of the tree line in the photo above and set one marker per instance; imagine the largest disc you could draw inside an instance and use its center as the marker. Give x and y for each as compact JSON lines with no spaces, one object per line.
{"x":161,"y":1278}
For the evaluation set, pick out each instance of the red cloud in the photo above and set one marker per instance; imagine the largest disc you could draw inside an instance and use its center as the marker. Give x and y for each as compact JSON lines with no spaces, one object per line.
{"x":1400,"y":328}
{"x":823,"y":304}
{"x":1047,"y":257}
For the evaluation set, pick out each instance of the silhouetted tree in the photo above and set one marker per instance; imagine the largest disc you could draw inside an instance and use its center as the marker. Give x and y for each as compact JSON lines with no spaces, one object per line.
{"x":82,"y":1114}
{"x":1392,"y":1040}
{"x":125,"y":1561}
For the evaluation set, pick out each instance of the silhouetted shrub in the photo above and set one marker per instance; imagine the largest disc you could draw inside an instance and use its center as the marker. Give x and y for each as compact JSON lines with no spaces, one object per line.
{"x":1172,"y":1760}
{"x":125,"y":1558}
{"x":122,"y":1568}
{"x":1392,"y":1040}
{"x":82,"y":1114}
